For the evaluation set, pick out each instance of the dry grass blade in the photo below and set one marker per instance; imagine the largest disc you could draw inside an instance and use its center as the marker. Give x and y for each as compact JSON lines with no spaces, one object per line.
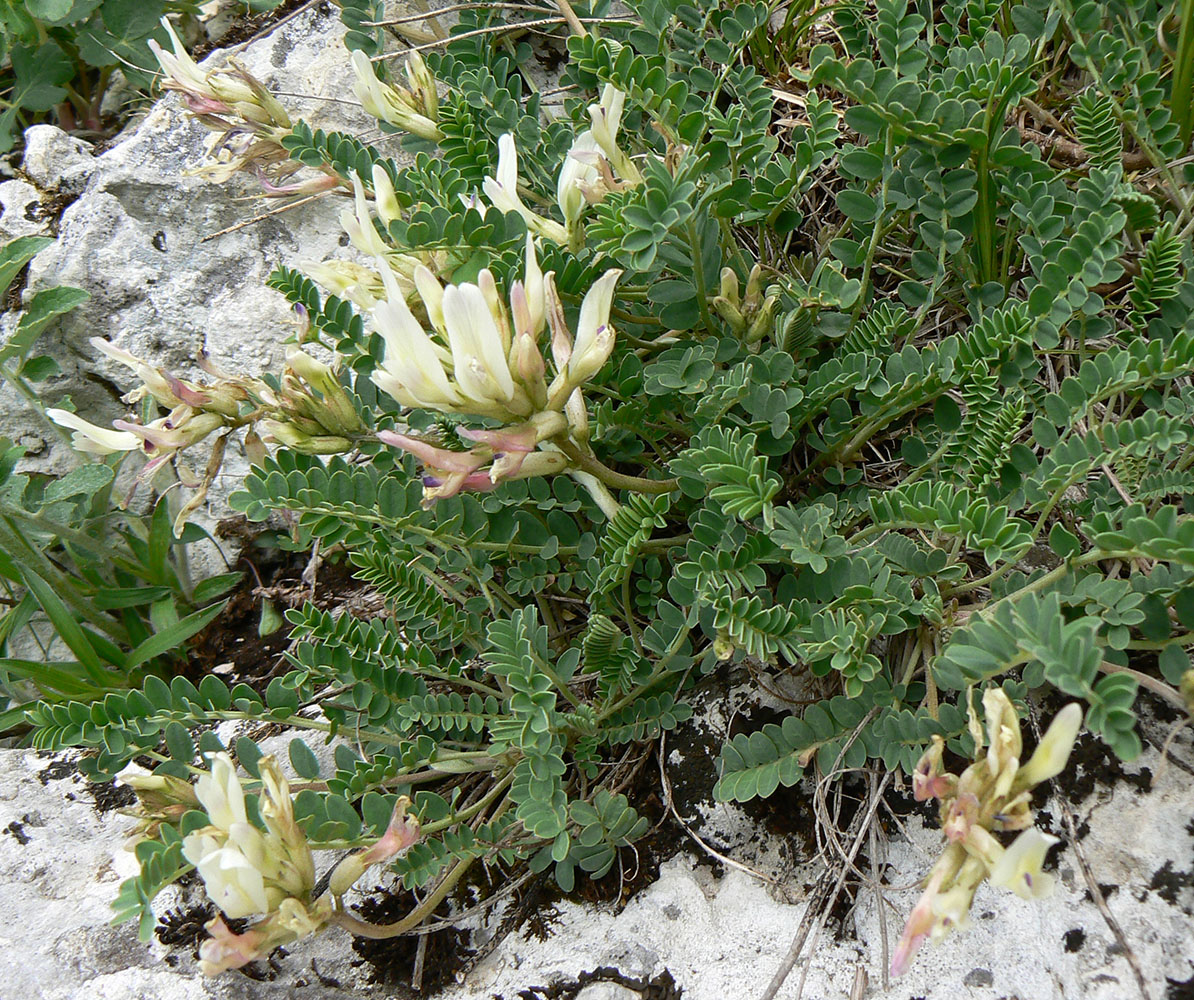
{"x":826,"y":892}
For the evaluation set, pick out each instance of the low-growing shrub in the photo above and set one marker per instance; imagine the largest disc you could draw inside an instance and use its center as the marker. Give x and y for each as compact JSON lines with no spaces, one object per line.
{"x":855,"y":349}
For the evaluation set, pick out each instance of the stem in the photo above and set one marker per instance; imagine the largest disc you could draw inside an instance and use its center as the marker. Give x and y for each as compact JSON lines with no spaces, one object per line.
{"x":412,"y":920}
{"x":425,"y":908}
{"x":588,"y":462}
{"x":877,"y":231}
{"x":698,"y":275}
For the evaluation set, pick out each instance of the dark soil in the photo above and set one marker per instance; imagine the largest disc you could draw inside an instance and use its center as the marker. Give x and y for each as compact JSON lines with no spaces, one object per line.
{"x":660,"y":987}
{"x":109,"y":796}
{"x":273,"y":574}
{"x":17,"y":829}
{"x":392,"y":961}
{"x":183,"y":927}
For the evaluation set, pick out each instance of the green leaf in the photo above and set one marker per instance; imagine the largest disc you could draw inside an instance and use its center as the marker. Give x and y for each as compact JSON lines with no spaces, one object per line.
{"x":50,"y":10}
{"x":87,"y":480}
{"x":172,"y":637}
{"x":17,"y":254}
{"x":214,"y":586}
{"x":303,"y":760}
{"x":857,"y":205}
{"x":1174,"y":662}
{"x":46,"y":305}
{"x":68,"y":629}
{"x":1065,"y":543}
{"x":62,"y":678}
{"x":39,"y":75}
{"x":179,"y":743}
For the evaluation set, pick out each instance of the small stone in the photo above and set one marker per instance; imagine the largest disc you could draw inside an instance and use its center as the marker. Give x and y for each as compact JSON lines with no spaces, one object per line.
{"x":978,"y":977}
{"x":55,"y":161}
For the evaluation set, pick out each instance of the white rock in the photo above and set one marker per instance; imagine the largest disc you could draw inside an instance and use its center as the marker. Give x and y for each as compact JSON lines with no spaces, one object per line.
{"x":55,"y":161}
{"x":141,"y":238}
{"x":61,"y":864}
{"x":21,"y":211}
{"x":607,"y":991}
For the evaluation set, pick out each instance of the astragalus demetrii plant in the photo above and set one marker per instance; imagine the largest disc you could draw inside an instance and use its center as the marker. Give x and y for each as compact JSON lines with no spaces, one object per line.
{"x":855,"y":353}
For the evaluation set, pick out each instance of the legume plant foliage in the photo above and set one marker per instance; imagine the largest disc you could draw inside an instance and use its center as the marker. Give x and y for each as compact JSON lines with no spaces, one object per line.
{"x":848,"y":342}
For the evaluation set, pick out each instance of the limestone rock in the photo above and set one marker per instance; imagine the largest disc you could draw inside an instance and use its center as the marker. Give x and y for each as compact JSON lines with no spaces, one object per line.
{"x":55,"y":161}
{"x":718,"y":936}
{"x":607,"y":991}
{"x":21,"y":211}
{"x":147,"y":239}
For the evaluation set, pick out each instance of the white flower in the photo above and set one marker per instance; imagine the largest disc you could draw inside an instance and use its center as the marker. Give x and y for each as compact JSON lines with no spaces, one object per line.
{"x":606,"y":118}
{"x":479,"y":362}
{"x":1019,"y":867}
{"x":594,"y":336}
{"x":413,"y":369}
{"x":231,"y":880}
{"x":399,"y":108}
{"x":384,"y":197}
{"x":482,"y":358}
{"x":578,"y":174}
{"x":359,"y":223}
{"x":344,"y":278}
{"x":245,"y":870}
{"x":1053,"y":751}
{"x":220,"y":793}
{"x":92,"y":439}
{"x":502,"y":192}
{"x":534,"y":289}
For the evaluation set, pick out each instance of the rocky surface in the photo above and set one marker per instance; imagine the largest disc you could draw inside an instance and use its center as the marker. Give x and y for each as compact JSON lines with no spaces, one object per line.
{"x":144,"y":237}
{"x":716,"y":932}
{"x":141,"y":235}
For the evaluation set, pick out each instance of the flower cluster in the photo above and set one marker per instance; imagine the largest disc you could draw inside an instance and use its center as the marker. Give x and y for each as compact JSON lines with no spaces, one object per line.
{"x":248,"y":121}
{"x":309,"y":411}
{"x":590,"y":171}
{"x":483,"y":359}
{"x":413,"y":108}
{"x":992,"y":795}
{"x":249,"y":871}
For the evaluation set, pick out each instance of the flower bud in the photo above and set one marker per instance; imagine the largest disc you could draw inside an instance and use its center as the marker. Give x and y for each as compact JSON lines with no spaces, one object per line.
{"x":284,"y":432}
{"x":384,"y":197}
{"x":422,"y":85}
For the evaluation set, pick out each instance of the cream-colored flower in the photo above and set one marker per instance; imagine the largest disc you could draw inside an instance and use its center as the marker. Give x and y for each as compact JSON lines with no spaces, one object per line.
{"x":412,"y":111}
{"x":480,"y":358}
{"x":91,"y":439}
{"x":992,"y":795}
{"x":244,"y":869}
{"x":502,"y":192}
{"x":1019,"y":867}
{"x":359,"y":223}
{"x":1053,"y":751}
{"x":606,"y":119}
